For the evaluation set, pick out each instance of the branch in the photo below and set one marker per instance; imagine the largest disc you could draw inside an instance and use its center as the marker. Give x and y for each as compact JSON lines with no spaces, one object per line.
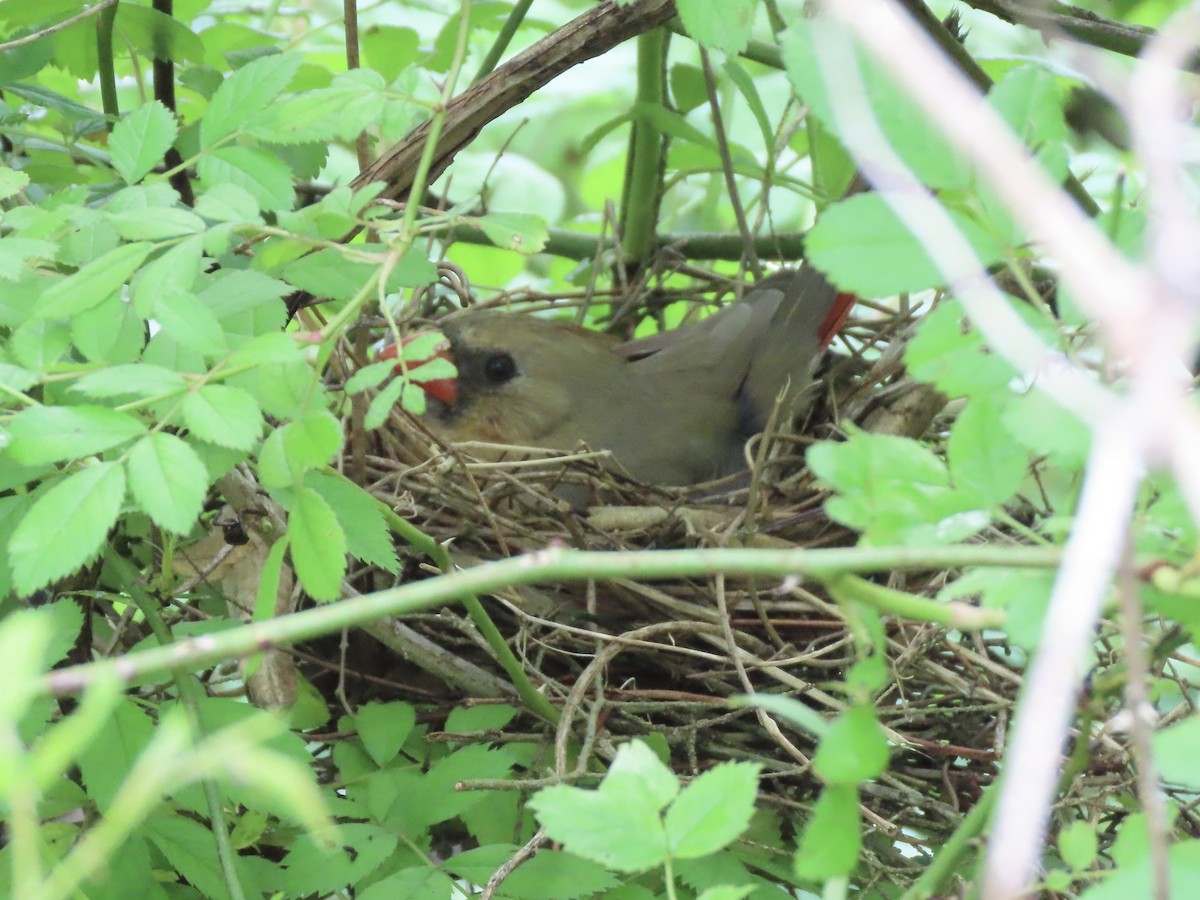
{"x":546,"y":566}
{"x":594,"y":33}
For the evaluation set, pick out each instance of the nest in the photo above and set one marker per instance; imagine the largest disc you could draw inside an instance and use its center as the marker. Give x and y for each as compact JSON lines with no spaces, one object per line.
{"x":625,"y":658}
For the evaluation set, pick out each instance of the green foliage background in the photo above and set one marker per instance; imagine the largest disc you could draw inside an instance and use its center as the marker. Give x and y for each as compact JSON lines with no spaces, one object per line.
{"x":145,"y":253}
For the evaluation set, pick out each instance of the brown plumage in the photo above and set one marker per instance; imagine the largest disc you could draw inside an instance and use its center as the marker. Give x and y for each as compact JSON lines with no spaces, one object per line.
{"x":675,"y":408}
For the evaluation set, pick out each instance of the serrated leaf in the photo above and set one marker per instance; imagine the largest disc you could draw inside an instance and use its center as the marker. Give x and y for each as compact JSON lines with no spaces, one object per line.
{"x":255,"y":171}
{"x":12,"y":182}
{"x":174,"y":272}
{"x":865,"y":227}
{"x":368,"y":376}
{"x":156,"y":225}
{"x":383,"y":728}
{"x":132,"y":380}
{"x":640,"y":776}
{"x":318,"y":545}
{"x":138,"y":141}
{"x":522,"y":232}
{"x":245,"y":94}
{"x":66,"y":526}
{"x":190,"y":323}
{"x":611,"y":830}
{"x":712,"y":811}
{"x":340,"y":111}
{"x":223,"y":415}
{"x":168,"y":480}
{"x":312,"y":439}
{"x":228,"y":203}
{"x":93,"y":283}
{"x":42,"y":434}
{"x":17,"y":379}
{"x":367,"y":535}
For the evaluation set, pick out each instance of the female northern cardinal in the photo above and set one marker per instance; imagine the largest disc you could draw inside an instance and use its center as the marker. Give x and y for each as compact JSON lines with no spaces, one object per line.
{"x":675,"y":408}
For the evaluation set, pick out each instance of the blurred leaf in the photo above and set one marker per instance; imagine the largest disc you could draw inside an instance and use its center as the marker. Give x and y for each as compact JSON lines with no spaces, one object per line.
{"x":984,"y":459}
{"x":865,"y":227}
{"x":723,"y":26}
{"x":853,"y":749}
{"x":515,"y":231}
{"x":832,"y":838}
{"x":133,"y":380}
{"x":255,"y":171}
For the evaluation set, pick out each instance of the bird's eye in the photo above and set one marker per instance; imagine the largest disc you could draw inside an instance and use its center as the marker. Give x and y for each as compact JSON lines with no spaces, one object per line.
{"x":499,"y":368}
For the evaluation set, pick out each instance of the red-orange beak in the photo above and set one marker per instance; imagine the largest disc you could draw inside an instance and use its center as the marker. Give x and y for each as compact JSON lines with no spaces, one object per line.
{"x":443,"y":389}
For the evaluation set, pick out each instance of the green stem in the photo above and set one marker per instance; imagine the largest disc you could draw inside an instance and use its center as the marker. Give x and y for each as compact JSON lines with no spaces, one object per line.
{"x":892,"y":602}
{"x":191,"y":695}
{"x":414,"y":537}
{"x":550,"y":565}
{"x":511,"y":24}
{"x":643,"y":188}
{"x":935,"y":880}
{"x":104,"y":64}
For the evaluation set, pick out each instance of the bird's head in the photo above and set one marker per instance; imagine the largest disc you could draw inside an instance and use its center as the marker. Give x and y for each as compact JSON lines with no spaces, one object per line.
{"x":518,"y":378}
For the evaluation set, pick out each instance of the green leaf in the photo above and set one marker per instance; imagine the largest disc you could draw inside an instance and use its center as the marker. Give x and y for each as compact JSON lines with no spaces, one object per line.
{"x":108,"y":758}
{"x":92,"y":284}
{"x":1175,"y":752}
{"x":138,"y":141}
{"x":175,"y":272}
{"x":318,"y":545}
{"x":832,"y":839}
{"x":1078,"y":843}
{"x":66,"y":526}
{"x":190,"y":323}
{"x":606,"y":828}
{"x":894,"y":489}
{"x":156,"y":225}
{"x":228,"y":203}
{"x":354,"y":101}
{"x":12,"y":182}
{"x":723,"y":26}
{"x":42,"y":434}
{"x":515,"y":231}
{"x":637,"y":772}
{"x":168,"y":480}
{"x":25,"y":639}
{"x":314,"y":869}
{"x":132,"y":380}
{"x":255,"y":171}
{"x":312,"y":439}
{"x":16,"y":253}
{"x":865,"y":227}
{"x":383,"y":728}
{"x":984,"y":459}
{"x":908,"y":131}
{"x":367,"y":534}
{"x":712,"y":811}
{"x":853,"y":749}
{"x":245,"y":94}
{"x":223,"y":415}
{"x":950,"y":355}
{"x":188,"y":848}
{"x":551,"y":875}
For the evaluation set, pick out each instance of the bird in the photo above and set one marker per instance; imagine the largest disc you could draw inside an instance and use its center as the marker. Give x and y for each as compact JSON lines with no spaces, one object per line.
{"x":673,"y":409}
